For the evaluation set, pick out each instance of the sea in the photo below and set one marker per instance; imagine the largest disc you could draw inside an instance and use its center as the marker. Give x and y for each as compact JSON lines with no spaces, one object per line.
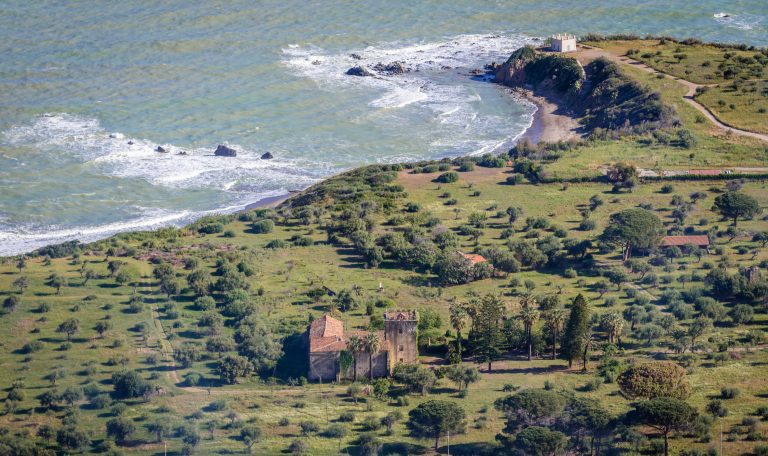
{"x":90,"y":89}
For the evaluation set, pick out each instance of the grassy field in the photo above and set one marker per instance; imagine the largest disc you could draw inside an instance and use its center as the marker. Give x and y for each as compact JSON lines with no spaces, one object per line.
{"x":699,"y":63}
{"x":147,"y":324}
{"x":743,"y":104}
{"x":734,"y":81}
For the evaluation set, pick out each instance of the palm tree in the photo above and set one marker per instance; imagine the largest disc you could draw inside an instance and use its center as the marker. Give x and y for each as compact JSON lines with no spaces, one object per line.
{"x":529,"y":315}
{"x":355,"y":346}
{"x":458,"y":321}
{"x":554,"y":319}
{"x":372,"y":344}
{"x":613,"y":323}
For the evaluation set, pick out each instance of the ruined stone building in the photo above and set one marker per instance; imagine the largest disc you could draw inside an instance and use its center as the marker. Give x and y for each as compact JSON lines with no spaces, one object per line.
{"x":326,"y":340}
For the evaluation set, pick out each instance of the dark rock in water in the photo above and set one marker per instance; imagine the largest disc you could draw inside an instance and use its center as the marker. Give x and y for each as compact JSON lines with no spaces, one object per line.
{"x":359,"y":71}
{"x":391,"y":68}
{"x":112,"y":136}
{"x":130,"y":143}
{"x":160,"y":149}
{"x":224,"y":151}
{"x":183,"y":152}
{"x":267,"y":156}
{"x":356,"y":56}
{"x":316,"y":62}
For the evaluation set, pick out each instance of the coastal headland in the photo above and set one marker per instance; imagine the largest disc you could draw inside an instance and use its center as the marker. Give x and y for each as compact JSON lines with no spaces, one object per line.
{"x":599,"y":288}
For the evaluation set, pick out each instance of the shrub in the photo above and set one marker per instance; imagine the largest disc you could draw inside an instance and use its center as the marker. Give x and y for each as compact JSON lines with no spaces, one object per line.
{"x":729,"y":393}
{"x":308,"y":427}
{"x":587,"y":225}
{"x":335,"y":431}
{"x":466,"y":166}
{"x":276,"y":244}
{"x":211,"y":228}
{"x":217,"y":405}
{"x":263,"y":226}
{"x":449,"y":177}
{"x":298,"y":447}
{"x":371,"y":423}
{"x":347,"y":417}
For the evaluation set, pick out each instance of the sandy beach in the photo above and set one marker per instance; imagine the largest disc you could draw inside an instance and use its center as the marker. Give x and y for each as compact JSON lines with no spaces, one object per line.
{"x":550,"y":122}
{"x":271,"y":201}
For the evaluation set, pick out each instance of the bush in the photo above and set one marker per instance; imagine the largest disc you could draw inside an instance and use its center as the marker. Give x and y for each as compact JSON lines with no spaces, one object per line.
{"x":263,"y":226}
{"x":371,"y":423}
{"x":335,"y":431}
{"x":447,"y":178}
{"x":466,"y":166}
{"x":412,"y":207}
{"x":211,"y":228}
{"x":587,"y":225}
{"x":308,"y":427}
{"x":347,"y":417}
{"x":276,"y":244}
{"x":729,"y":393}
{"x":217,"y":405}
{"x":298,"y":447}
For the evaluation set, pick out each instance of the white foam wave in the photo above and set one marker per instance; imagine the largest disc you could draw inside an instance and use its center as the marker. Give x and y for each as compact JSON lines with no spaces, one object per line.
{"x":115,"y":155}
{"x":741,"y":21}
{"x":399,"y":97}
{"x":424,"y":60}
{"x":29,"y":238}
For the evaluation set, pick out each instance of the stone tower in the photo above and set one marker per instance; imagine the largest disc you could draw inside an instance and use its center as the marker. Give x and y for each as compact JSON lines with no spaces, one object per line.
{"x":400,"y":331}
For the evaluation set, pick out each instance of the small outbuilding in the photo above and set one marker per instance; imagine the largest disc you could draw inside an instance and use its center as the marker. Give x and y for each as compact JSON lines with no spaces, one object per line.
{"x":563,"y":42}
{"x":473,"y":258}
{"x":679,"y":241}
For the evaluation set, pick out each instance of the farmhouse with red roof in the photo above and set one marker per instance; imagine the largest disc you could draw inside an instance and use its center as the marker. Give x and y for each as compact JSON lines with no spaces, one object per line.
{"x":473,"y":258}
{"x":326,"y":340}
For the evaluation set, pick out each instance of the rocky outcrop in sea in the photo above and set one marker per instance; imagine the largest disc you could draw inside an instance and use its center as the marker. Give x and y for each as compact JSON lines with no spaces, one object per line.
{"x":359,"y":71}
{"x":224,"y":151}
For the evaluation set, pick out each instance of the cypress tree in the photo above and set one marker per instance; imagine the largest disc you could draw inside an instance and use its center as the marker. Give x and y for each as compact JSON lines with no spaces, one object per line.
{"x":572,"y":345}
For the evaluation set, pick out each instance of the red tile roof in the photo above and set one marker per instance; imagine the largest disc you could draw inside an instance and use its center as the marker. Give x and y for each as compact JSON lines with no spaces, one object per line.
{"x":473,"y":258}
{"x":326,"y":326}
{"x":705,"y":172}
{"x":326,"y":334}
{"x":700,"y":240}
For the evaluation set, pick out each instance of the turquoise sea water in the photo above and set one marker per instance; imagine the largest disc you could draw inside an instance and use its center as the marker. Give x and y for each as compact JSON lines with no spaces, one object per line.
{"x":79,"y":80}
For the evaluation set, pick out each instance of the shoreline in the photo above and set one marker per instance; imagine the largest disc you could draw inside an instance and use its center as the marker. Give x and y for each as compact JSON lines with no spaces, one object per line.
{"x":268,"y":202}
{"x":548,"y":124}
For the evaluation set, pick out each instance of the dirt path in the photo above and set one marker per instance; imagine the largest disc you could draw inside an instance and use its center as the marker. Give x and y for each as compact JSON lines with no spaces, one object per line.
{"x":165,"y":347}
{"x":590,"y":53}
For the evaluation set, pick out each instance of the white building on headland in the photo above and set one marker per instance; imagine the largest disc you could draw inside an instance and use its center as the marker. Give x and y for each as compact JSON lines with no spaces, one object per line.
{"x":563,"y":43}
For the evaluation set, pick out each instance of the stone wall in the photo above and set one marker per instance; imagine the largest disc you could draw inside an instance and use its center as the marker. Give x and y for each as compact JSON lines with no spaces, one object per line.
{"x":323,"y":366}
{"x":380,"y":365}
{"x":401,"y":335}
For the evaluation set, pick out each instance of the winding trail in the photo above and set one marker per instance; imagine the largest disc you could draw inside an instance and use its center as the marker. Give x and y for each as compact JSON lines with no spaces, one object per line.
{"x":590,"y":53}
